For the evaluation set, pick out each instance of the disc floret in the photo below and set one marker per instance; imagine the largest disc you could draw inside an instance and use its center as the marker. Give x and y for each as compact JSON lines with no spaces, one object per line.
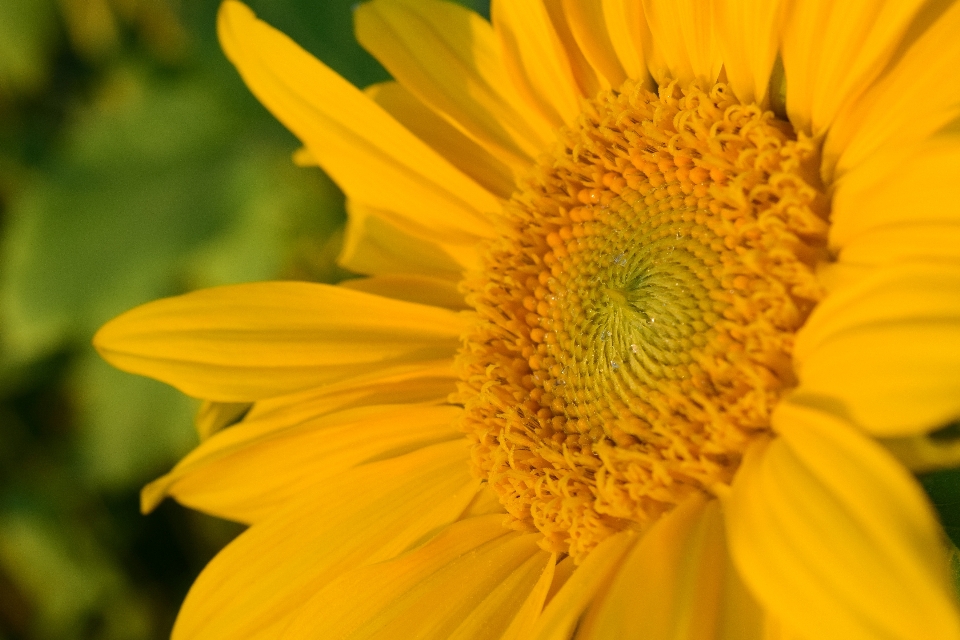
{"x":636,"y":315}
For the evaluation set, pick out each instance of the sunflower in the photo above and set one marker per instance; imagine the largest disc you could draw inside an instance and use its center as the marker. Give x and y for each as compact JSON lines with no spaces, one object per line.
{"x":653,"y":289}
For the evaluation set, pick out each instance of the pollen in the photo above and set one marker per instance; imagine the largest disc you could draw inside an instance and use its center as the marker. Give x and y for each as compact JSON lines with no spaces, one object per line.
{"x":635,"y":317}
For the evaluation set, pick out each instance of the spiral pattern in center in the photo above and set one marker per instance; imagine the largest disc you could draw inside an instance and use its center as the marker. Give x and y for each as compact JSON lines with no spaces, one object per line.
{"x":636,"y":316}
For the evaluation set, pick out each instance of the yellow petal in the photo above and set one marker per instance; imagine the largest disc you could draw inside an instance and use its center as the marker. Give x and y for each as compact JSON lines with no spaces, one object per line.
{"x":485,"y":503}
{"x":245,"y":342}
{"x":589,"y":28}
{"x":486,"y":622}
{"x":684,"y":39}
{"x":561,"y":574}
{"x":523,"y":622}
{"x":535,"y":59}
{"x":886,"y":350}
{"x":372,"y":513}
{"x":588,"y":82}
{"x":925,"y":452}
{"x":423,"y":383}
{"x":891,"y":380}
{"x":677,"y":583}
{"x":450,"y":59}
{"x":748,"y":36}
{"x":435,"y":292}
{"x":369,"y":154}
{"x":912,"y":101}
{"x":834,"y":276}
{"x":630,"y":37}
{"x":378,"y":243}
{"x":774,"y":629}
{"x":896,"y":188}
{"x":302,"y":158}
{"x":740,"y":616}
{"x":893,"y":294}
{"x":588,"y":580}
{"x":214,"y":416}
{"x":835,"y":538}
{"x":910,"y":242}
{"x":444,"y":138}
{"x":252,"y":470}
{"x":833,"y":50}
{"x":470,"y":579}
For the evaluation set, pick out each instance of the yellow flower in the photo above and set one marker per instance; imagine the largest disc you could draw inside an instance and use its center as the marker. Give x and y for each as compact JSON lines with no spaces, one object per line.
{"x":650,"y":286}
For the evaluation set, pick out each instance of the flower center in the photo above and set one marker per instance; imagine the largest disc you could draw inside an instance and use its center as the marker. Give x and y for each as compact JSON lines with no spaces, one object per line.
{"x":636,"y":315}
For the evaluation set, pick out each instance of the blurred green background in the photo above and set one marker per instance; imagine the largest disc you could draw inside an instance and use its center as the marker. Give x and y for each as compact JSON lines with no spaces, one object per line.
{"x":134,"y":164}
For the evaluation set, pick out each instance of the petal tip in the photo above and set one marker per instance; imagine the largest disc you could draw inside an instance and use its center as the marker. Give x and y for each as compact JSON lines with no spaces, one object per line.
{"x":106,"y":339}
{"x":153,"y":494}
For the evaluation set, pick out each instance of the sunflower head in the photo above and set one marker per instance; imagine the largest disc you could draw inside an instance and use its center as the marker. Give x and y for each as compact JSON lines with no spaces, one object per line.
{"x":625,"y":362}
{"x":636,"y":314}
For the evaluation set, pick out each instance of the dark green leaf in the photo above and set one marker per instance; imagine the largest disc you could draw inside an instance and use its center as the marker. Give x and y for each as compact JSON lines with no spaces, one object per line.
{"x":943,"y":487}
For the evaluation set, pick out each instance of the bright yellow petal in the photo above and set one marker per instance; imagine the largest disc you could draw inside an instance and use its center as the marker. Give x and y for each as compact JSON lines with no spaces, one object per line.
{"x":774,"y":629}
{"x":435,"y":292}
{"x":630,"y":37}
{"x":450,"y":59}
{"x":302,"y":158}
{"x":912,"y":242}
{"x":835,"y":538}
{"x":897,"y":188}
{"x":892,"y":380}
{"x":588,"y":580}
{"x":485,"y":503}
{"x":677,"y":582}
{"x":912,"y":101}
{"x":369,"y":154}
{"x":588,"y":82}
{"x":254,"y":586}
{"x":246,"y":342}
{"x":685,"y":40}
{"x":834,"y":276}
{"x":561,"y":574}
{"x":444,"y":138}
{"x":525,"y":619}
{"x":898,"y":293}
{"x":498,"y":617}
{"x":748,"y":34}
{"x":214,"y":416}
{"x":377,"y":243}
{"x":252,"y":470}
{"x":740,"y":616}
{"x":589,"y":28}
{"x":536,"y":60}
{"x":886,"y":351}
{"x":468,"y":582}
{"x":833,"y":50}
{"x":389,"y":385}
